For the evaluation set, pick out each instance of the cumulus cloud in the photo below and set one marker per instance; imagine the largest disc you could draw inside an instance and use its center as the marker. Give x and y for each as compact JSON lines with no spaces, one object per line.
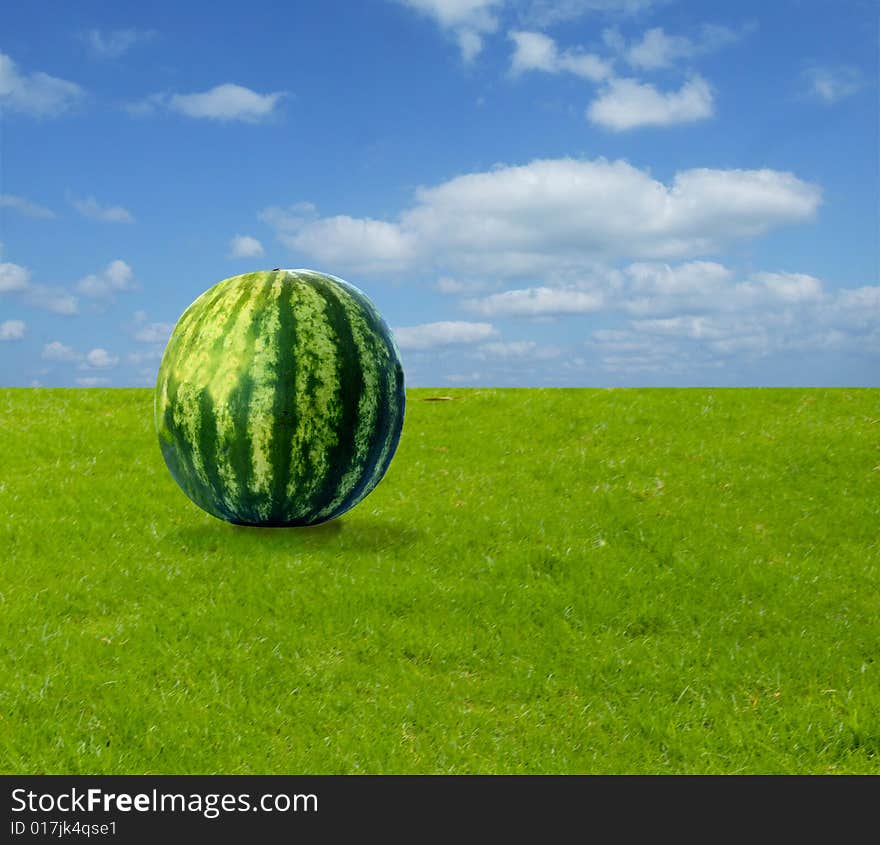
{"x":683,"y":318}
{"x":627,"y":104}
{"x":652,"y":289}
{"x":13,"y":277}
{"x":57,"y":351}
{"x":545,"y":13}
{"x":830,"y":84}
{"x":517,"y":350}
{"x":99,"y":359}
{"x":468,"y":21}
{"x":700,"y":312}
{"x":224,"y":103}
{"x":90,"y":207}
{"x":111,"y":44}
{"x":553,"y":218}
{"x":244,"y":246}
{"x":116,"y":277}
{"x":35,"y":94}
{"x":25,"y":207}
{"x":149,"y":105}
{"x":16,"y":279}
{"x":656,"y":49}
{"x":374,"y":245}
{"x":450,"y":286}
{"x":146,"y":356}
{"x":656,"y":289}
{"x":536,"y":51}
{"x":51,"y":298}
{"x":153,"y":332}
{"x":12,"y":329}
{"x":536,"y":302}
{"x":446,"y":333}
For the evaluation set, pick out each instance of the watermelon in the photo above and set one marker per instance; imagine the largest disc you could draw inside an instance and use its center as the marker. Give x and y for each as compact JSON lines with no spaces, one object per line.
{"x":280,"y":398}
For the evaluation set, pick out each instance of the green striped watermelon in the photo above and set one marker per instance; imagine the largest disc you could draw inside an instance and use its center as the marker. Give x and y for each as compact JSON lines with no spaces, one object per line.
{"x":280,"y":398}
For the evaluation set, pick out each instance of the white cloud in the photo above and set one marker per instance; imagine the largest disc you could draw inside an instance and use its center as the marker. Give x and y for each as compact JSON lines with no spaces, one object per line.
{"x":695,"y":327}
{"x":693,"y":277}
{"x":36,"y":94}
{"x":466,"y":20}
{"x":698,"y":315}
{"x":117,"y":276}
{"x":154,"y":332}
{"x":51,"y":298}
{"x":647,"y":289}
{"x":17,"y":279}
{"x":656,"y":49}
{"x":784,"y":288}
{"x":92,"y":381}
{"x":244,"y":246}
{"x":536,"y":51}
{"x":146,"y":356}
{"x":13,"y":277}
{"x":518,"y":350}
{"x":652,"y":289}
{"x":114,"y":43}
{"x":224,"y":103}
{"x":626,"y":104}
{"x":830,"y":84}
{"x":865,"y":300}
{"x":26,"y":207}
{"x":57,"y":351}
{"x":536,"y":302}
{"x":450,"y":286}
{"x":335,"y":241}
{"x":148,"y":105}
{"x":90,"y":207}
{"x":470,"y":44}
{"x":428,"y":335}
{"x":12,"y":330}
{"x":553,"y":219}
{"x":99,"y":359}
{"x":545,"y":13}
{"x":855,"y":309}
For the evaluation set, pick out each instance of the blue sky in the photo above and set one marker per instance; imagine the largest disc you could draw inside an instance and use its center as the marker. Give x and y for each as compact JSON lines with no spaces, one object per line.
{"x":579,"y":192}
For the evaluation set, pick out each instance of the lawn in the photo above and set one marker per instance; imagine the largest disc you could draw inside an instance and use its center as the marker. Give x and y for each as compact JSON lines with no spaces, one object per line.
{"x":672,"y":581}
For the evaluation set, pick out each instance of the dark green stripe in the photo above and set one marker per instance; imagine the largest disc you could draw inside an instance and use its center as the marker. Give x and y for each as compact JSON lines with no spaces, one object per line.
{"x":238,"y":452}
{"x":178,"y":453}
{"x":351,"y":385}
{"x":284,"y":409}
{"x":207,"y":439}
{"x":381,"y":425}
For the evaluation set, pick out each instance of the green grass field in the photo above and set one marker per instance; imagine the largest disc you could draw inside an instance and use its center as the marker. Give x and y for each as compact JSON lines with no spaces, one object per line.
{"x":546,"y":581}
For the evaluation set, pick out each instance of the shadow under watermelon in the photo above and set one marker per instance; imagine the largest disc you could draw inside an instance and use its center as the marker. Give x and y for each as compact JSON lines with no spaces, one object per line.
{"x":348,"y":534}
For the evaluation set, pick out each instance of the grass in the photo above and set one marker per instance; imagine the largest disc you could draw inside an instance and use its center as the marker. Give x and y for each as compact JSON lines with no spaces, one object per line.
{"x":546,"y":581}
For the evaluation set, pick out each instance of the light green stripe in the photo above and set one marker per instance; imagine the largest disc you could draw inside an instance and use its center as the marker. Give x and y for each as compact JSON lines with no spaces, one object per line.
{"x":186,"y":410}
{"x":318,"y":405}
{"x":187,"y":419}
{"x":231,"y":363}
{"x":194,"y":360}
{"x":261,"y":420}
{"x":192,"y":323}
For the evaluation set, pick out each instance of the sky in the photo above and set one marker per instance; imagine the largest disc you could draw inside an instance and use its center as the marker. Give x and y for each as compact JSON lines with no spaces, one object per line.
{"x":596,"y":193}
